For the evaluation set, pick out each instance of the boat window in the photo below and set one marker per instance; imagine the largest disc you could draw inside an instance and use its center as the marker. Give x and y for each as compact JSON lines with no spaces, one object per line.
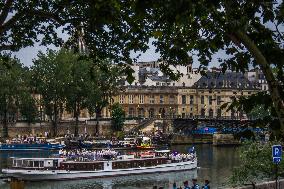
{"x":41,"y":164}
{"x":30,"y":164}
{"x":36,"y":164}
{"x":19,"y":163}
{"x":25,"y":163}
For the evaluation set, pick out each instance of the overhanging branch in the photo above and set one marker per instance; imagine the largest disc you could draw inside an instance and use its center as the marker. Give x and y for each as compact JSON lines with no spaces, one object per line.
{"x":5,"y":11}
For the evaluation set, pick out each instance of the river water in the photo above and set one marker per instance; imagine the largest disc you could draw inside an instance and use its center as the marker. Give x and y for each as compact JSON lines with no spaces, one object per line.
{"x":214,"y":164}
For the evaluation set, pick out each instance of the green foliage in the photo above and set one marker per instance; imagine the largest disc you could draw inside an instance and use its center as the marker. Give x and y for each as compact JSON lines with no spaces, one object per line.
{"x":78,"y":85}
{"x":259,"y":112}
{"x":120,"y":135}
{"x":105,"y":84}
{"x":67,"y":81}
{"x":50,"y":79}
{"x":110,"y":27}
{"x":255,"y":164}
{"x":15,"y":93}
{"x":117,"y":117}
{"x":28,"y":108}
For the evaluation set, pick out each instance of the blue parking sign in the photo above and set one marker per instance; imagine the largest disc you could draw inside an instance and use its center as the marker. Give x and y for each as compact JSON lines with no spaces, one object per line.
{"x":276,"y":153}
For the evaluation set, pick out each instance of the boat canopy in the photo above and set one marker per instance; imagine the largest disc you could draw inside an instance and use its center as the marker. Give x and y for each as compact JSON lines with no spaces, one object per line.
{"x":162,"y":151}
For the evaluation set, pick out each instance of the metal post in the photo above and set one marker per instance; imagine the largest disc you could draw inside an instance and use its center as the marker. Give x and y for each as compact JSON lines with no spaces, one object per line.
{"x":276,"y":176}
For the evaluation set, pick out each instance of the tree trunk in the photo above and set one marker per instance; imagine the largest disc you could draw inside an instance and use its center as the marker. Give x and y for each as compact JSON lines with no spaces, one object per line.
{"x":5,"y":126}
{"x":54,"y":122}
{"x":98,"y":116}
{"x":77,"y":113}
{"x":273,"y":85}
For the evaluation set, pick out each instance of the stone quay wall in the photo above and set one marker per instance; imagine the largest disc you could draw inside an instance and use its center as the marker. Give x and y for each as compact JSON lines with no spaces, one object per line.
{"x":89,"y":126}
{"x":22,"y":128}
{"x":224,"y":139}
{"x":192,"y":139}
{"x":265,"y":185}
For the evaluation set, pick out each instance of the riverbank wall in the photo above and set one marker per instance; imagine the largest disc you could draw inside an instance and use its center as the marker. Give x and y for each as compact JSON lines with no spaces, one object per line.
{"x":265,"y":185}
{"x":224,"y":140}
{"x":64,"y":127}
{"x":192,"y":139}
{"x":39,"y":129}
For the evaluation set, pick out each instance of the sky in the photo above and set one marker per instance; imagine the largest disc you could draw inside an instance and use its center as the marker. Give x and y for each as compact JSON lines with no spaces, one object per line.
{"x":26,"y":55}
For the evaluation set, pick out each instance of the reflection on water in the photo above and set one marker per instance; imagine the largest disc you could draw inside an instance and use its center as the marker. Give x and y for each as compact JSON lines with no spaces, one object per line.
{"x":215,"y":164}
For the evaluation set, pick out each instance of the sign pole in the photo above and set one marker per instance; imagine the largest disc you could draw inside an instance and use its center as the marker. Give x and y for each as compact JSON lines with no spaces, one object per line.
{"x":276,"y":176}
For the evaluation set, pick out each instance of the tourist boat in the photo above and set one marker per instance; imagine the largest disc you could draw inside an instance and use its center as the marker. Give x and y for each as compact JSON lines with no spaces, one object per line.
{"x":38,"y":169}
{"x":31,"y":146}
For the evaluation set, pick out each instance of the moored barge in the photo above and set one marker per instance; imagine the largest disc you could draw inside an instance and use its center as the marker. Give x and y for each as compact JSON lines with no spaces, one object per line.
{"x":38,"y":169}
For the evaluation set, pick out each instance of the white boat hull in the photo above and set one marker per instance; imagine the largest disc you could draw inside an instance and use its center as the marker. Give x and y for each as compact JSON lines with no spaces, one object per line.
{"x":39,"y":175}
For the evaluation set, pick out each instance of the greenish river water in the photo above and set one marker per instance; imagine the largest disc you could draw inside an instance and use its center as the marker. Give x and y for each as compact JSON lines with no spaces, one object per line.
{"x":214,"y":164}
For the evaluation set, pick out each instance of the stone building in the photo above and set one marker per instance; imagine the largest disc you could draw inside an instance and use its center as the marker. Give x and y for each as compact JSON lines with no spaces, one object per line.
{"x":203,"y":99}
{"x":206,"y":97}
{"x":149,"y":102}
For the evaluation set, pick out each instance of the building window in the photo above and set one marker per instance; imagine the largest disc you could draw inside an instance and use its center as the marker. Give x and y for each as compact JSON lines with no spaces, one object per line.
{"x":141,"y":99}
{"x":141,"y":112}
{"x":152,"y":99}
{"x":191,"y":99}
{"x":210,"y":113}
{"x":131,"y":112}
{"x":210,"y":100}
{"x":130,"y":99}
{"x":183,"y":99}
{"x":202,"y":99}
{"x":219,"y":100}
{"x":202,"y":113}
{"x":121,"y":99}
{"x":172,"y":99}
{"x":161,"y":99}
{"x":219,"y":113}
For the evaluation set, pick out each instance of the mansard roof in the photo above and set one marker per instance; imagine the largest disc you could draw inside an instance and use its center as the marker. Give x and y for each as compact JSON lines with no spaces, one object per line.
{"x":227,"y":80}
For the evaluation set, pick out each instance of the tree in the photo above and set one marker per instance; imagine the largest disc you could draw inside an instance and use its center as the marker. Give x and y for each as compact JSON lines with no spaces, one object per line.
{"x":110,"y":30}
{"x":50,"y":77}
{"x":15,"y":93}
{"x":22,"y":23}
{"x":105,"y":84}
{"x":79,"y":84}
{"x":249,"y":32}
{"x":255,"y":164}
{"x":117,"y":117}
